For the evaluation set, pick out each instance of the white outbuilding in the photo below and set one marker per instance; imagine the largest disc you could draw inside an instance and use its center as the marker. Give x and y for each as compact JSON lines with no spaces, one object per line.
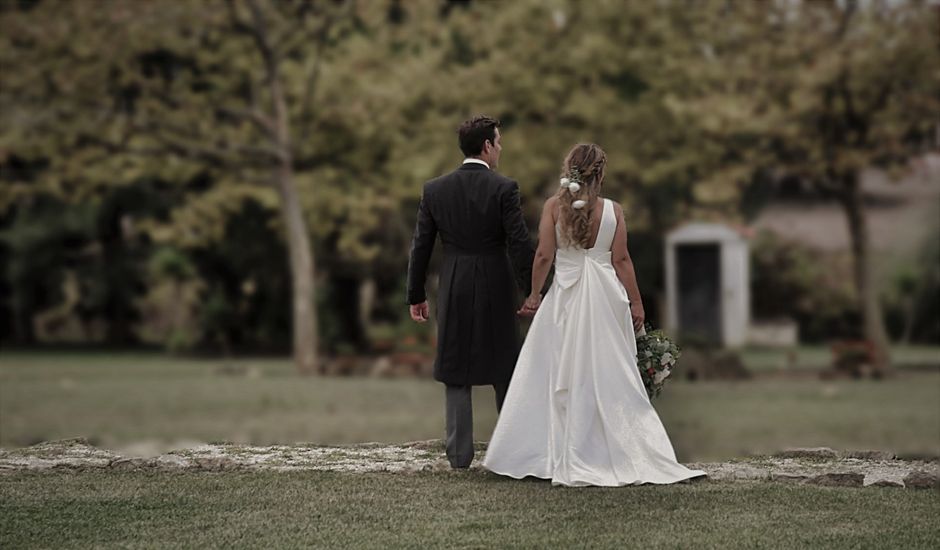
{"x":708,"y":284}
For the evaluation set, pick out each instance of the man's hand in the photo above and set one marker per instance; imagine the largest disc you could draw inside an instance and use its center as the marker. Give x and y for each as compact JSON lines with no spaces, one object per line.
{"x":530,"y":306}
{"x":636,"y":311}
{"x":419,"y":312}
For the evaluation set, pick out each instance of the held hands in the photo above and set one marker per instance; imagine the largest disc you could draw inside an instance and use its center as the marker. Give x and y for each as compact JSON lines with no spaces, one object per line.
{"x":419,"y":312}
{"x":636,"y":311}
{"x":530,"y":306}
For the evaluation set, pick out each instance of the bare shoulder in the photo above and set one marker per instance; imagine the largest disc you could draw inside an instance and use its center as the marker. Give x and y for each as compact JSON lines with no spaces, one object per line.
{"x":551,"y":208}
{"x":618,"y":210}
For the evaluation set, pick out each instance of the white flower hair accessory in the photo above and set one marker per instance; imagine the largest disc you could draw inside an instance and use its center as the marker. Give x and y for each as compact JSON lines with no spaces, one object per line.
{"x":578,"y":204}
{"x":572,"y":182}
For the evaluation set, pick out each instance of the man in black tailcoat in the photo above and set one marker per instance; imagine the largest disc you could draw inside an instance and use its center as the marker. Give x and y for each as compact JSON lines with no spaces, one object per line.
{"x":478,"y":215}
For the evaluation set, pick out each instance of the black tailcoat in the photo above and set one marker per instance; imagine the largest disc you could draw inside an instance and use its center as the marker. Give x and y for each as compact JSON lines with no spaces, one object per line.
{"x":479,"y":217}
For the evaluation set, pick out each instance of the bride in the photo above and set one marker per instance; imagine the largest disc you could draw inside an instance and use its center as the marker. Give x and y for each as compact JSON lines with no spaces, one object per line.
{"x":576,"y":411}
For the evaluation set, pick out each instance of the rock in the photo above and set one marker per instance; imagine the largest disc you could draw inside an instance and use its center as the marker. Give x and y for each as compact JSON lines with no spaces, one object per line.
{"x":885,"y":483}
{"x":839,"y":480}
{"x":134,"y":463}
{"x":920,"y":479}
{"x":172,"y":462}
{"x":151,"y":448}
{"x":67,"y":442}
{"x":818,"y":453}
{"x":869,"y":455}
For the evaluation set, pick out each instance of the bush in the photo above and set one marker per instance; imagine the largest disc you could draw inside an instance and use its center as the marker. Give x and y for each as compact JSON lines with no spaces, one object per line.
{"x":912,"y":303}
{"x":792,"y":280}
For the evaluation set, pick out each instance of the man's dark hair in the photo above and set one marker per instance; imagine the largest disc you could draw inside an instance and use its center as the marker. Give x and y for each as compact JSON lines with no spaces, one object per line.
{"x":474,"y":132}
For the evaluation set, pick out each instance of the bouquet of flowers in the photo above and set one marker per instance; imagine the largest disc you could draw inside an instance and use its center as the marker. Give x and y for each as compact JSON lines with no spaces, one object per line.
{"x":656,"y":356}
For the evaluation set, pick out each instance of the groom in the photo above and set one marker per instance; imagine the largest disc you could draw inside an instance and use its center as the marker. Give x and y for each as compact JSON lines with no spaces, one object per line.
{"x":478,"y":215}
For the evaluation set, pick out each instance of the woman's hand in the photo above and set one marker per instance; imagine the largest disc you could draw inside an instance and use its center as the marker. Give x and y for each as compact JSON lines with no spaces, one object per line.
{"x":531,"y":305}
{"x":636,"y":311}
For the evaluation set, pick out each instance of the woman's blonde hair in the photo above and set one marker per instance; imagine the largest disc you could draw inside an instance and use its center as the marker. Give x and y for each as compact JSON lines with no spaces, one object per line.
{"x":585,"y":163}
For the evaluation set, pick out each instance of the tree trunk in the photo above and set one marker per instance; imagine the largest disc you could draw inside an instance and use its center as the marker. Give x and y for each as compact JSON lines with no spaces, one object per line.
{"x":302,"y":275}
{"x":300,"y":253}
{"x":866,"y":293}
{"x":366,"y":305}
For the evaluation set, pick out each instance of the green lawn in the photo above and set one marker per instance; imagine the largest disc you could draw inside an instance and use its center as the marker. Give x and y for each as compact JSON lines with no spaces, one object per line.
{"x":446,"y":510}
{"x":119,"y":399}
{"x":804,"y":358}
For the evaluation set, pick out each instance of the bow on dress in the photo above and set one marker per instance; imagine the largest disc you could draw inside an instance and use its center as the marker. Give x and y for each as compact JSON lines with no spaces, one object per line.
{"x":570,"y":267}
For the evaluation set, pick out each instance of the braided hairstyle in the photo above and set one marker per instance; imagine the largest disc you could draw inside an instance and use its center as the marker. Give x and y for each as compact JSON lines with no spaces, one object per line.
{"x":587,"y":162}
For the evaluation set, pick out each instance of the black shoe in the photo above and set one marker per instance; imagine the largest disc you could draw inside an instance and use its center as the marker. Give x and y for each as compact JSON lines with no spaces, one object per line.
{"x":460,"y":465}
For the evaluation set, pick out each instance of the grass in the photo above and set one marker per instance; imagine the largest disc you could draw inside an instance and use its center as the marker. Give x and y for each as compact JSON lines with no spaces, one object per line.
{"x":717,"y":421}
{"x":120,"y":399}
{"x":804,"y":358}
{"x":466,"y":510}
{"x":116,"y":399}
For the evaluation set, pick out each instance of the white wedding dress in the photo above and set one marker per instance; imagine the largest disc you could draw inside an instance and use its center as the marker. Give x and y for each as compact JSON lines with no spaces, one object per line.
{"x":576,"y":411}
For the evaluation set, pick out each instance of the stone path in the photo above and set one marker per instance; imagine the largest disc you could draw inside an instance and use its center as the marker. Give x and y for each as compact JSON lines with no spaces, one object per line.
{"x":820,"y":466}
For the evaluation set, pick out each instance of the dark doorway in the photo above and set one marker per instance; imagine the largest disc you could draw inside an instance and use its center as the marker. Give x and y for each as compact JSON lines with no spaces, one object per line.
{"x":698,"y":268}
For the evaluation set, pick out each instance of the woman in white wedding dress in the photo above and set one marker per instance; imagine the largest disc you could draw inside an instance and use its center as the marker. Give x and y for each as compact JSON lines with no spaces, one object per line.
{"x":577,"y":412}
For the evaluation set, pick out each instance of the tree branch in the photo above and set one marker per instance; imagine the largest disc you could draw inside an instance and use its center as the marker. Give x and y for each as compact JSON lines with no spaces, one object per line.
{"x":261,"y":121}
{"x":182,"y":142}
{"x":259,"y":32}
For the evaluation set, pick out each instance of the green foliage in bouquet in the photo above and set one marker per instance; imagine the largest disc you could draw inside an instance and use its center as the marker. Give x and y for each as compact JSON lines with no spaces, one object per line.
{"x":656,"y":356}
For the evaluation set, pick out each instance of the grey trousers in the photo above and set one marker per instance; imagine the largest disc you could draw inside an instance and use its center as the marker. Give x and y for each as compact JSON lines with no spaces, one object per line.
{"x":459,"y":407}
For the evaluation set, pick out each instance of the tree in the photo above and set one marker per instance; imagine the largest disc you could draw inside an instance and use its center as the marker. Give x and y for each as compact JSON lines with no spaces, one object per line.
{"x":330,"y":115}
{"x":815,"y":92}
{"x":252,"y":69}
{"x":872,"y":106}
{"x":225,"y":88}
{"x":563,"y":72}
